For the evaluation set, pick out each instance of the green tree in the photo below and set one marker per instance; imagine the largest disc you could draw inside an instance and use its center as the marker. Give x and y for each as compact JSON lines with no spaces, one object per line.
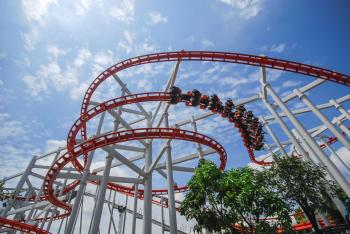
{"x":4,"y":195}
{"x":204,"y":200}
{"x":217,"y":200}
{"x":302,"y":184}
{"x":253,"y":199}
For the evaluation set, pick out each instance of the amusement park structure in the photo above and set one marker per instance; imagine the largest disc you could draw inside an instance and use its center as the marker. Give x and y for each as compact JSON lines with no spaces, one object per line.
{"x":70,"y":191}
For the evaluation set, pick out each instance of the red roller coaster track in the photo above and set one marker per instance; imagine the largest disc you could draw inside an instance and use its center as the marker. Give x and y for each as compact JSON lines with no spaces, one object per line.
{"x":75,"y":150}
{"x":23,"y":227}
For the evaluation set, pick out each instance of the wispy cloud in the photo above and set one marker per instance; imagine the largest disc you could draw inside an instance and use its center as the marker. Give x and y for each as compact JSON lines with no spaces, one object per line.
{"x":55,"y":51}
{"x":82,"y":7}
{"x":277,"y":48}
{"x":245,"y":8}
{"x":35,"y":10}
{"x":35,"y":85}
{"x":125,"y":12}
{"x":83,"y":55}
{"x":157,"y":18}
{"x":207,"y":43}
{"x":31,"y":38}
{"x":51,"y":75}
{"x":9,"y":127}
{"x":127,"y":44}
{"x":53,"y":144}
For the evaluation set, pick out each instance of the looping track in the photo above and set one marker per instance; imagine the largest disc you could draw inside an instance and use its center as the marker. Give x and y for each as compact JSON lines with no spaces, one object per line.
{"x":75,"y":150}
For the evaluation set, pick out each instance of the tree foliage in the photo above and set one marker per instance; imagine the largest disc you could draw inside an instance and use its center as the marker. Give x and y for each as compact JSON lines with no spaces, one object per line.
{"x":302,"y":183}
{"x":204,"y":201}
{"x":217,"y":200}
{"x":4,"y":195}
{"x":254,"y":200}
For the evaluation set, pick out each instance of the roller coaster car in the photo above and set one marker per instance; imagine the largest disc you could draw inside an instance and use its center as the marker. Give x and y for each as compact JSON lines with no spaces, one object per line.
{"x":228,"y":108}
{"x":229,"y":105}
{"x":185,"y":97}
{"x":188,"y":98}
{"x":204,"y":102}
{"x":241,"y":108}
{"x":196,"y":96}
{"x":219,"y":107}
{"x":248,"y":117}
{"x":175,"y":94}
{"x":231,"y":117}
{"x":213,"y":100}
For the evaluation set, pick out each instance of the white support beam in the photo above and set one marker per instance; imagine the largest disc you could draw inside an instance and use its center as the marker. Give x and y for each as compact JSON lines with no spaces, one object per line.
{"x":121,"y":83}
{"x":117,"y":164}
{"x":321,"y":128}
{"x":171,"y":82}
{"x":132,"y":111}
{"x":129,"y":148}
{"x":118,"y":179}
{"x":186,"y":158}
{"x":124,"y":123}
{"x":183,"y":169}
{"x":124,"y":160}
{"x":307,"y":109}
{"x":161,"y":172}
{"x":160,"y":154}
{"x":304,"y":89}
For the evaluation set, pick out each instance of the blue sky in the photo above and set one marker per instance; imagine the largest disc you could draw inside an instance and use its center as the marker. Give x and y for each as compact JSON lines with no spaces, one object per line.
{"x":51,"y":50}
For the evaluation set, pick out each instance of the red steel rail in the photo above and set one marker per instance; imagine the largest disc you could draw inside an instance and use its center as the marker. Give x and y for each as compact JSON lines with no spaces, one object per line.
{"x":122,"y":136}
{"x":20,"y":226}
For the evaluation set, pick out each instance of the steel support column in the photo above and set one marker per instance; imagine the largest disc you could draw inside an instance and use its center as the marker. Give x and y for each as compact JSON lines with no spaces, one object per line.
{"x":344,"y":184}
{"x":334,"y":153}
{"x":199,"y":147}
{"x":274,"y":137}
{"x":170,"y":182}
{"x":134,"y":213}
{"x":101,"y":196}
{"x":286,"y":130}
{"x":340,"y":108}
{"x":20,"y":184}
{"x":337,"y":202}
{"x":147,"y":201}
{"x":323,"y":118}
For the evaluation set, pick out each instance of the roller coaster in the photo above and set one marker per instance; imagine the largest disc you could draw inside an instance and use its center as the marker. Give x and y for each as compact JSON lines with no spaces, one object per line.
{"x":49,"y":194}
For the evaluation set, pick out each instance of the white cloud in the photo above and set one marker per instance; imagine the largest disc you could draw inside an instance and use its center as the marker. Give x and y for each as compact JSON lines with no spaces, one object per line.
{"x":104,"y":58}
{"x":35,"y":85}
{"x":246,"y":8}
{"x":51,"y":73}
{"x":144,"y":85}
{"x":82,"y":7}
{"x":31,"y":38}
{"x":35,"y":10}
{"x":146,"y":47}
{"x":157,"y":18}
{"x":129,"y":37}
{"x":128,"y":43}
{"x":125,"y":12}
{"x":10,"y":128}
{"x":52,"y":145}
{"x":279,"y":48}
{"x":207,"y":43}
{"x":83,"y":55}
{"x":55,"y":51}
{"x":78,"y":92}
